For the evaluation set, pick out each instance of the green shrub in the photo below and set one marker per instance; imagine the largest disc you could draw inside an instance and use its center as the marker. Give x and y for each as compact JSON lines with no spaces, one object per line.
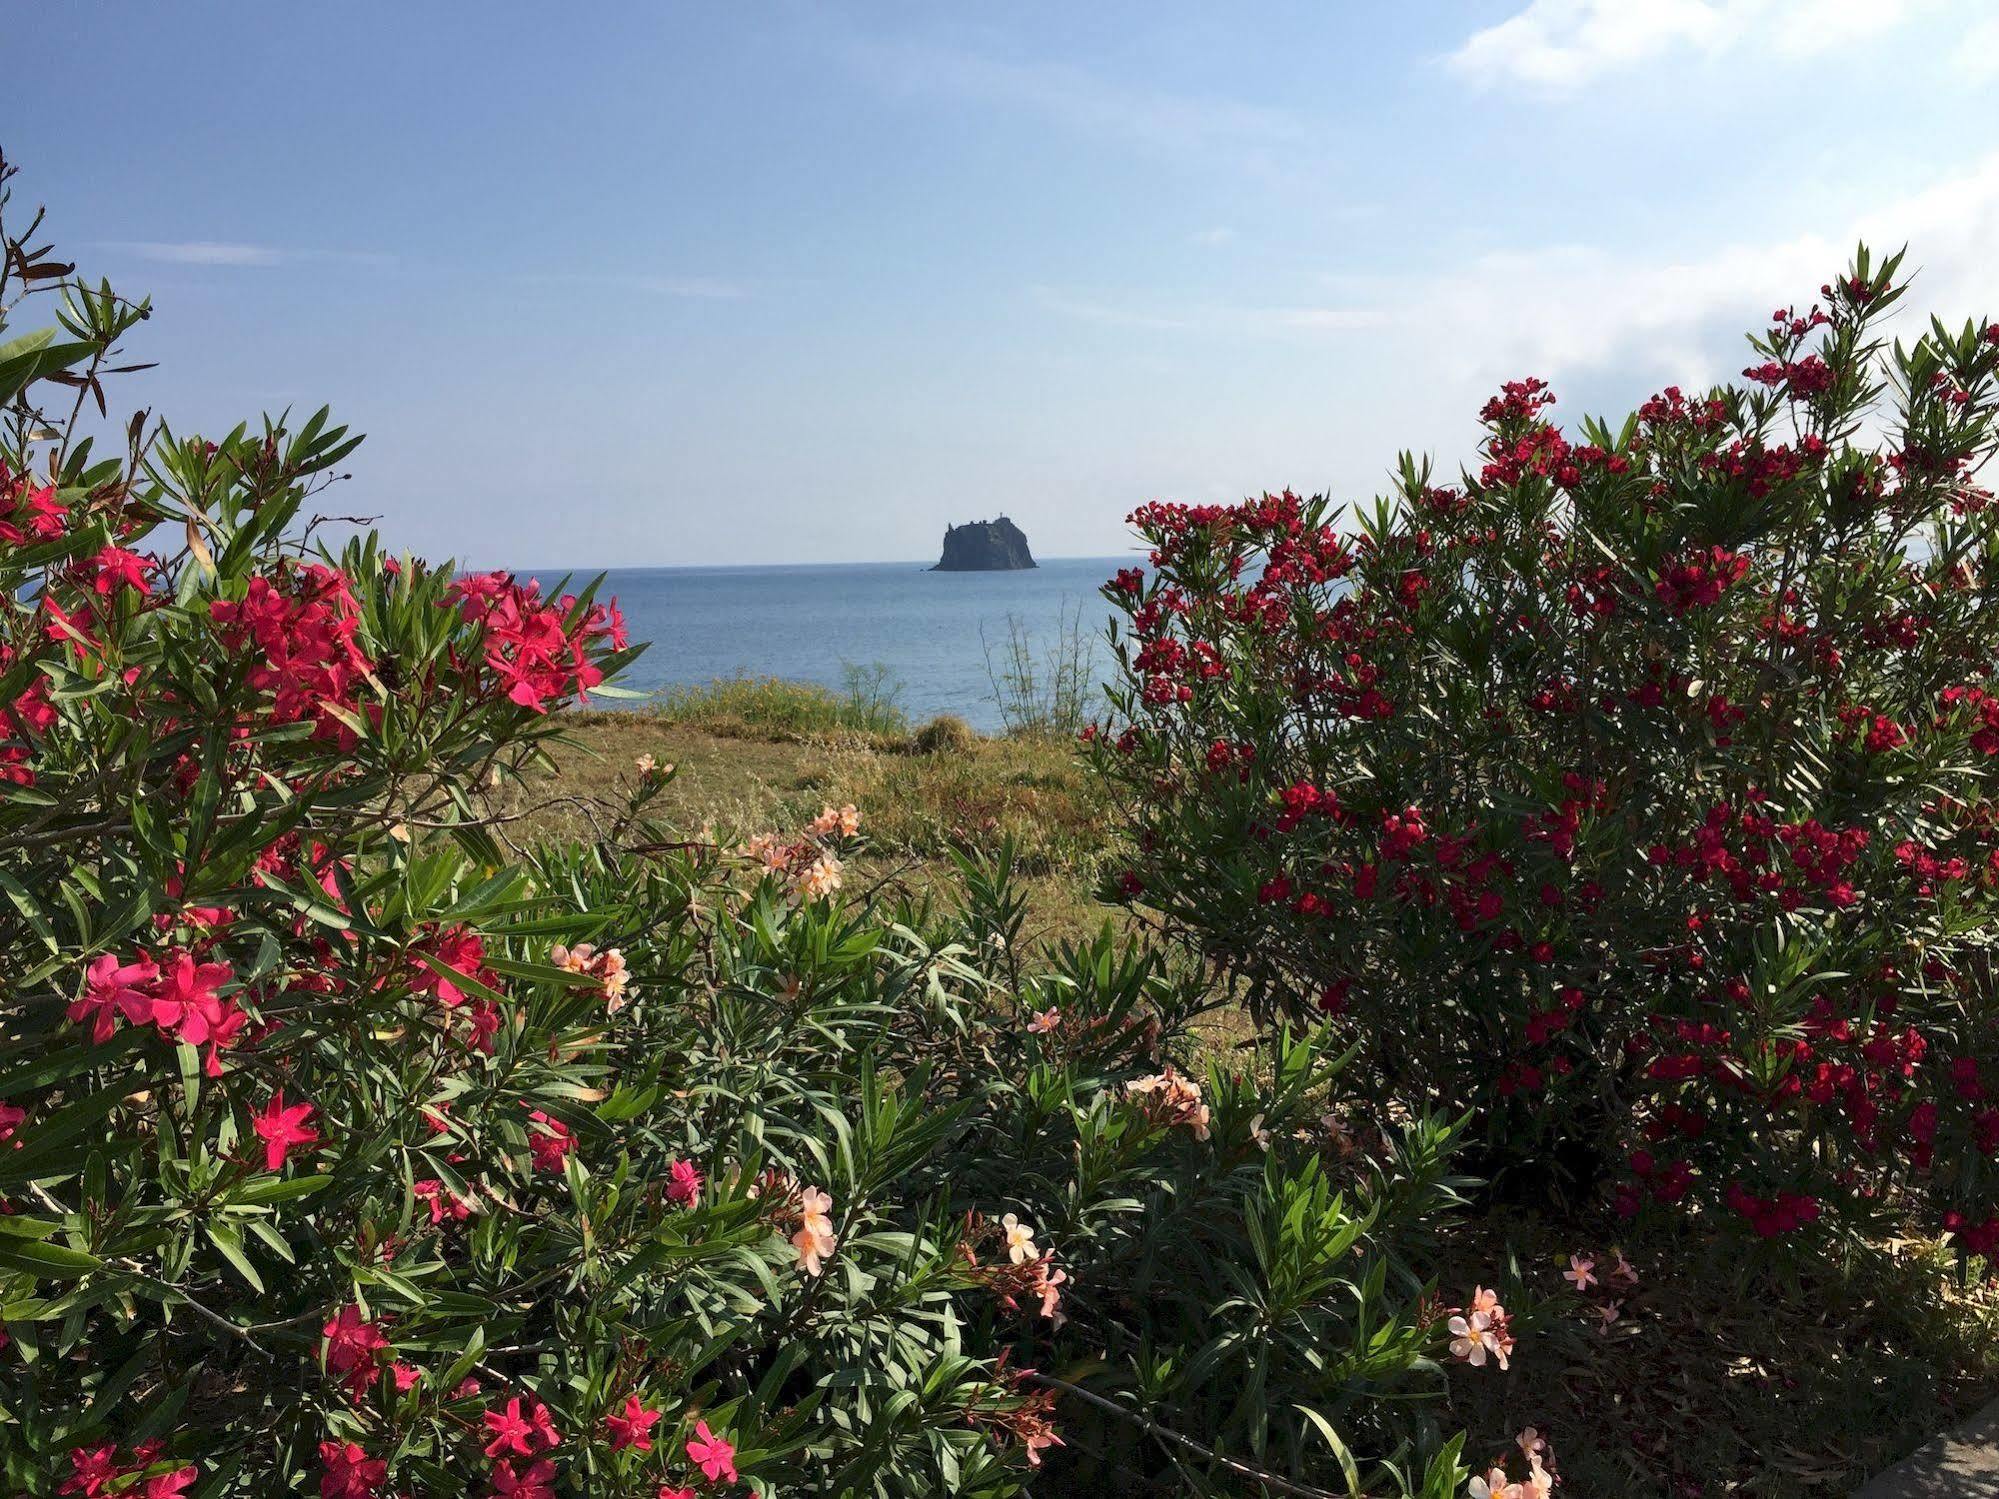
{"x":1633,"y":794}
{"x":946,"y":734}
{"x":772,"y":708}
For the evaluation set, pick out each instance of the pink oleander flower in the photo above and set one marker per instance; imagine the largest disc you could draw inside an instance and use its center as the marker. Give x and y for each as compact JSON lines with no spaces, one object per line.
{"x":349,"y":1472}
{"x":714,"y":1456}
{"x":1621,"y":1273}
{"x":538,"y":1482}
{"x":1609,"y":1314}
{"x":1048,"y":1283}
{"x":1580,"y":1271}
{"x":683,"y":1183}
{"x":768,"y":850}
{"x":518,"y":1434}
{"x":1046,"y":1021}
{"x":1019,"y":1239}
{"x":111,"y":989}
{"x":441,"y":1201}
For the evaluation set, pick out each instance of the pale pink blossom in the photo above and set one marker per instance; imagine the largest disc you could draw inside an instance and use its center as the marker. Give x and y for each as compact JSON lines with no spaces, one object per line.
{"x":1580,"y":1271}
{"x":1019,"y":1239}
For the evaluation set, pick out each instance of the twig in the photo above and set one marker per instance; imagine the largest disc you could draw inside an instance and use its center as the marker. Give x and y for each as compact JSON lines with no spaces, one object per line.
{"x":1165,"y":1434}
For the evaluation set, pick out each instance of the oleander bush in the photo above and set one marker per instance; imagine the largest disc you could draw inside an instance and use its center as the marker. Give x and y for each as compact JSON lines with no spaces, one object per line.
{"x":350,"y":1147}
{"x":1632,"y":794}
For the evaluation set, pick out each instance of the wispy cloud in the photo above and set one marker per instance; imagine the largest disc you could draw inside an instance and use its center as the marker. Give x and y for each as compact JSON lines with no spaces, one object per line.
{"x":706,"y":288}
{"x":1977,"y":56}
{"x":695,"y":288}
{"x":1561,"y":309}
{"x":231,"y":253}
{"x":1072,"y":97}
{"x":1562,"y":44}
{"x":1162,"y":316}
{"x":1220,"y":235}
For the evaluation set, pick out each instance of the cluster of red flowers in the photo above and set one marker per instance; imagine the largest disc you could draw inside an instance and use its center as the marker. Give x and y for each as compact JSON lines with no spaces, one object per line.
{"x":535,"y":652}
{"x":301,"y":625}
{"x":99,"y":1471}
{"x":1700,"y":580}
{"x":180,"y":995}
{"x":450,"y":963}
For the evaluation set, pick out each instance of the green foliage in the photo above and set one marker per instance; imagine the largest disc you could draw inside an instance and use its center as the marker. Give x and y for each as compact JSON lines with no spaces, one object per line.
{"x":771,"y":708}
{"x":359,"y":1146}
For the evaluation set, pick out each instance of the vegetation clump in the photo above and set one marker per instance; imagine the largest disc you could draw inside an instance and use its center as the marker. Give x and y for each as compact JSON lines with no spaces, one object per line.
{"x":1633,"y":794}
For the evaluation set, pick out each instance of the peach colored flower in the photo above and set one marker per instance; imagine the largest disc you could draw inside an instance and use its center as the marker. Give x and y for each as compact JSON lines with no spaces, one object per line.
{"x":820,"y":878}
{"x":1048,"y":1282}
{"x":1609,"y":1313}
{"x":1481,"y":1332}
{"x":842,"y":821}
{"x":1044,"y":1022}
{"x":616,"y":975}
{"x":1579,"y":1271}
{"x":814,"y":1239}
{"x":1172,"y":1099}
{"x":769,"y":851}
{"x":645,"y":764}
{"x":1621,"y":1273}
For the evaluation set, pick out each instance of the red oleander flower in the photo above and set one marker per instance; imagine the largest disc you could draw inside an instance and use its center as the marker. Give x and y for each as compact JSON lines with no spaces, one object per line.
{"x":284,"y":1129}
{"x":631,"y":1427}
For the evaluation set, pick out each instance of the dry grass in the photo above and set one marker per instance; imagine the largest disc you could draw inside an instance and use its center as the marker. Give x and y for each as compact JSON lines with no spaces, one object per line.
{"x":739,"y":774}
{"x":1721,"y":1375}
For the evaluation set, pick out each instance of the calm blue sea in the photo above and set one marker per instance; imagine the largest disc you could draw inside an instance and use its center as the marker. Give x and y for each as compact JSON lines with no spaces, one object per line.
{"x":809,"y":623}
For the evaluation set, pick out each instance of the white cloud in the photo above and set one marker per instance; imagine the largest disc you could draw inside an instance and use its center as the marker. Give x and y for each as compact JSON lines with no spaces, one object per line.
{"x":1579,"y":307}
{"x":1220,"y":235}
{"x":1558,"y":44}
{"x":1209,"y":318}
{"x":1564,"y":309}
{"x":227,"y":253}
{"x":706,"y":288}
{"x":1073,"y":97}
{"x":1977,"y":56}
{"x":198,"y":252}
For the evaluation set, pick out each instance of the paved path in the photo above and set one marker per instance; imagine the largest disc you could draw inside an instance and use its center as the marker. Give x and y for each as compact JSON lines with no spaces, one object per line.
{"x":1960,"y":1464}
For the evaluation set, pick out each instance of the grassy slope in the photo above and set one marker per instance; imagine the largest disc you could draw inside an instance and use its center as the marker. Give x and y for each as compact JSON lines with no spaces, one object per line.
{"x":747,"y":775}
{"x":1714,"y":1381}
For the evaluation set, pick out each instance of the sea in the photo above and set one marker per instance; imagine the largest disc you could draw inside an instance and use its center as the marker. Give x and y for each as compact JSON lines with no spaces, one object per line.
{"x":928,"y":632}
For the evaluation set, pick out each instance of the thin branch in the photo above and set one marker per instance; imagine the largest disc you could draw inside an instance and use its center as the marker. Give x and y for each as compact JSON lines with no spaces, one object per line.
{"x":1165,"y":1434}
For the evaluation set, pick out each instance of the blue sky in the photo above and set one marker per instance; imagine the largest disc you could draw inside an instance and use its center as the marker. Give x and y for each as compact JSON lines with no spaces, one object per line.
{"x":651,"y":283}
